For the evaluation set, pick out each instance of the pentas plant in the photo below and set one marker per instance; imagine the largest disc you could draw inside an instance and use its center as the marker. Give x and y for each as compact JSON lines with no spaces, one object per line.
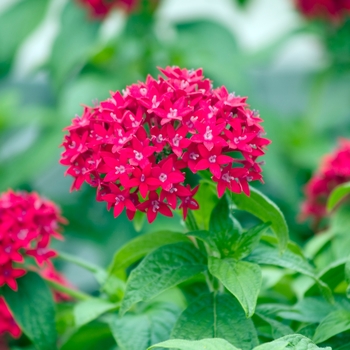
{"x":138,"y":146}
{"x":334,"y":170}
{"x":27,"y":224}
{"x":334,"y":10}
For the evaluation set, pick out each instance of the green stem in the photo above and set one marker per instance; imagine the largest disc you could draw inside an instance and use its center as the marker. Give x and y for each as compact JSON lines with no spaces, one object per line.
{"x":66,"y":290}
{"x":82,"y":263}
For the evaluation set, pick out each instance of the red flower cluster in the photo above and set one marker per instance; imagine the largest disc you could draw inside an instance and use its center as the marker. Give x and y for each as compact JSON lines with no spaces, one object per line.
{"x":135,"y":145}
{"x":334,"y":170}
{"x":101,"y":8}
{"x":27,"y":223}
{"x":334,"y":10}
{"x":7,"y":322}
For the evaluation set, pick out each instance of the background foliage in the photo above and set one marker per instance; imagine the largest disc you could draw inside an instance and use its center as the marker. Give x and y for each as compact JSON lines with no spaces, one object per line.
{"x":53,"y":57}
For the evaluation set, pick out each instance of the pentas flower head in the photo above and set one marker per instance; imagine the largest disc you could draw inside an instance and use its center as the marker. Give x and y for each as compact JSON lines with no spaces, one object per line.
{"x":334,"y":10}
{"x":27,"y":224}
{"x":334,"y":170}
{"x":99,"y":9}
{"x":7,"y":322}
{"x":134,"y":146}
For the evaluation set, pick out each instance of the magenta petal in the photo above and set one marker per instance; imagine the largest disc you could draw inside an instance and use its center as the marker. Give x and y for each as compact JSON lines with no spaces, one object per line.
{"x":118,"y":208}
{"x":203,"y":165}
{"x":215,"y":170}
{"x":175,"y":177}
{"x":165,"y":210}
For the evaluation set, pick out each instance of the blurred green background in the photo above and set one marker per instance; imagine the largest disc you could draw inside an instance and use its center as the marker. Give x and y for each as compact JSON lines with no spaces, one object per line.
{"x":54,"y":58}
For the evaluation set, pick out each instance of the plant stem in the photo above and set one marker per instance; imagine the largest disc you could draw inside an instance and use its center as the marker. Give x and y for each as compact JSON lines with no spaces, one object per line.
{"x":66,"y":290}
{"x":82,"y":263}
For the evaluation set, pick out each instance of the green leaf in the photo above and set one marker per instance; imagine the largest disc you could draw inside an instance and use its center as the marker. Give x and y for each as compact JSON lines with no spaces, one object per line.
{"x":34,"y":310}
{"x":163,"y":268}
{"x":207,"y":199}
{"x":220,"y":218}
{"x":241,"y":278}
{"x":308,"y":310}
{"x":275,"y":345}
{"x":78,"y":36}
{"x":206,"y":237}
{"x":88,"y":310}
{"x":267,"y":253}
{"x":264,"y":209}
{"x":203,"y":344}
{"x":191,"y":222}
{"x":332,"y":275}
{"x":336,"y":322}
{"x":29,"y":15}
{"x":249,"y":240}
{"x":291,"y":342}
{"x":337,"y":195}
{"x":140,"y":246}
{"x":216,"y":316}
{"x":138,"y":220}
{"x":278,"y":329}
{"x":224,"y":228}
{"x":92,"y":336}
{"x":317,"y":242}
{"x":139,"y":331}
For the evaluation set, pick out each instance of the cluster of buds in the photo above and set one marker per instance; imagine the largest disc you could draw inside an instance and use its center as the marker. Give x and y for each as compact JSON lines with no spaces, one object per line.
{"x":99,"y":9}
{"x":334,"y":10}
{"x":334,"y":170}
{"x":134,"y":146}
{"x":27,"y":223}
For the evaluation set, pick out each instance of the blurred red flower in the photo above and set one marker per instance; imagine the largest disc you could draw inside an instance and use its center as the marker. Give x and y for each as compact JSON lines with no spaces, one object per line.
{"x":100,"y":8}
{"x":334,"y":170}
{"x":334,"y":10}
{"x":27,"y":224}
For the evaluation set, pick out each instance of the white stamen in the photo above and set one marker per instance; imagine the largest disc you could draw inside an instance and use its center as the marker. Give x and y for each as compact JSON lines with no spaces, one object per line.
{"x":172,"y":113}
{"x":155,"y":206}
{"x":208,"y":134}
{"x":212,"y":159}
{"x":120,"y":169}
{"x":138,"y":155}
{"x":193,"y":156}
{"x":119,"y":198}
{"x":177,"y":139}
{"x":163,"y":177}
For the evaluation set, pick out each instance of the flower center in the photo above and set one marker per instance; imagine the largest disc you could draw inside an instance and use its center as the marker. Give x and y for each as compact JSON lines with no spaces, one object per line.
{"x":22,"y":234}
{"x":172,"y":113}
{"x":138,"y":155}
{"x":6,"y":273}
{"x":119,"y":198}
{"x":143,"y":178}
{"x":72,"y":145}
{"x":163,"y":177}
{"x":212,"y":159}
{"x":208,"y":134}
{"x":120,"y":169}
{"x":176,"y":140}
{"x":160,"y":138}
{"x":143,"y":91}
{"x":226,"y":177}
{"x":155,"y":104}
{"x":193,"y":156}
{"x":155,"y":206}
